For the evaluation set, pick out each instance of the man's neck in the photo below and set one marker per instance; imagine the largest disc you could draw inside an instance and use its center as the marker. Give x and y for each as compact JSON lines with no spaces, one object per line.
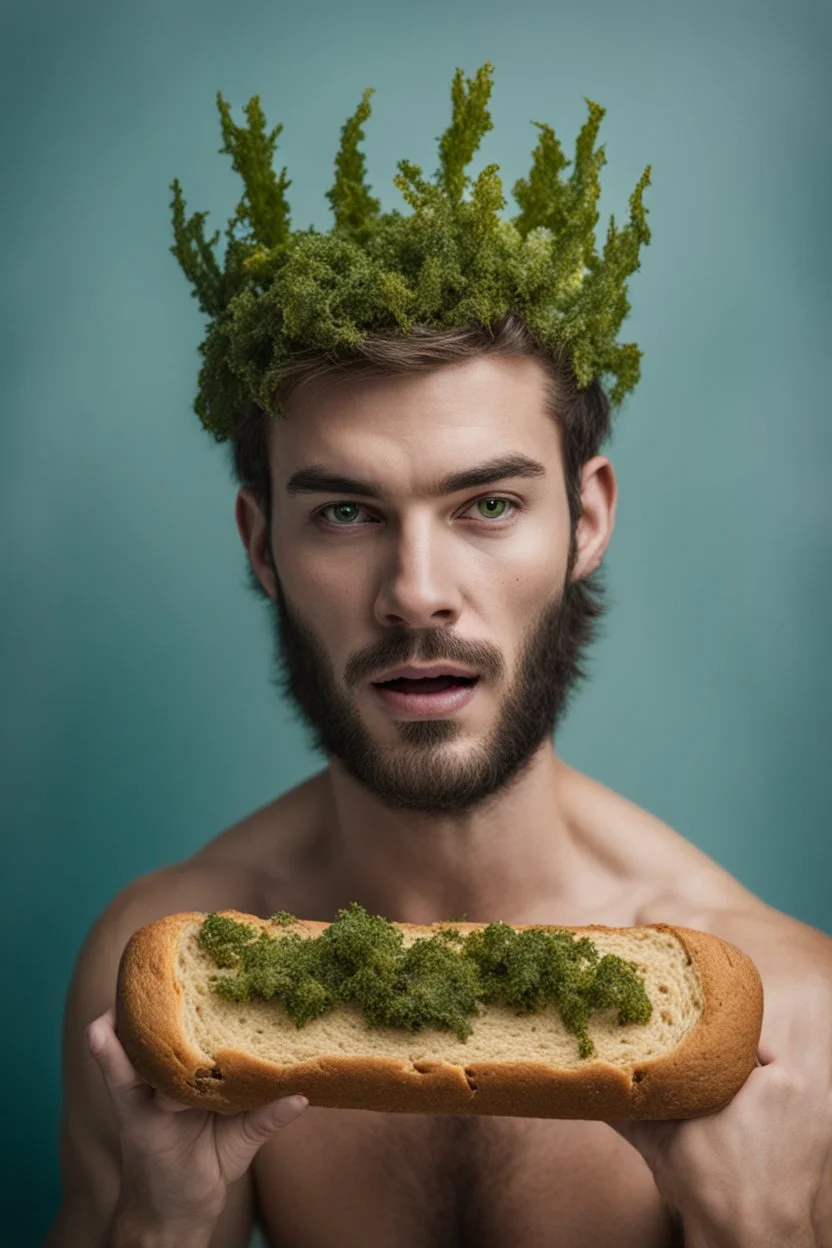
{"x":513,"y":860}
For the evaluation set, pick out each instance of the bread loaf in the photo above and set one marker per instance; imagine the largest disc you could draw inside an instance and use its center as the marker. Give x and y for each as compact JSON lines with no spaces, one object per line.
{"x":690,"y":1057}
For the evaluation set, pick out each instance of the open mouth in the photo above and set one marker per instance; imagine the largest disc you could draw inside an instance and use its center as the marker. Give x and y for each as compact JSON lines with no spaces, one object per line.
{"x":428,"y":696}
{"x":427,"y":684}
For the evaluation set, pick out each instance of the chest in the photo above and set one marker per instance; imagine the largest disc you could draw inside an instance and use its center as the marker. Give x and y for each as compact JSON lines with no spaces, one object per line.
{"x":370,"y":1180}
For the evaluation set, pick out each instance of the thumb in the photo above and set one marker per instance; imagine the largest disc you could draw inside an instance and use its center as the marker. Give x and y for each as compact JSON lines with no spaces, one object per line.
{"x":261,"y":1123}
{"x":240,"y":1136}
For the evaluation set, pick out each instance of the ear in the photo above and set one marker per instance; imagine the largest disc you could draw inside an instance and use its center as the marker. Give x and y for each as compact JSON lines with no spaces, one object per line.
{"x":253,"y":530}
{"x":599,"y":496}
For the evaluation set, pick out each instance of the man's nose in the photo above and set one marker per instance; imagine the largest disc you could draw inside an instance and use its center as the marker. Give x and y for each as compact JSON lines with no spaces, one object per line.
{"x":419,"y":582}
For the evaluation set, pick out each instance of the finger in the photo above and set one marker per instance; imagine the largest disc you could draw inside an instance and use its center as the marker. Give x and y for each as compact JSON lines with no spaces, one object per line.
{"x":765,"y":1054}
{"x":261,"y":1123}
{"x":239,"y":1137}
{"x":97,"y":1032}
{"x":125,"y":1086}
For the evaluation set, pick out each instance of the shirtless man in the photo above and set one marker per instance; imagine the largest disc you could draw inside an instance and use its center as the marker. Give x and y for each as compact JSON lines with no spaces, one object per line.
{"x":422,"y":521}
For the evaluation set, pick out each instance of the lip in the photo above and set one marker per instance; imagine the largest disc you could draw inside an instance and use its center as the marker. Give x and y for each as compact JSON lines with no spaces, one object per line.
{"x":426,"y":704}
{"x":418,"y":673}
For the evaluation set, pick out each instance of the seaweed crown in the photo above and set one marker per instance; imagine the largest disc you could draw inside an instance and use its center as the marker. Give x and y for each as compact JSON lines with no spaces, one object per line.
{"x":281,"y":292}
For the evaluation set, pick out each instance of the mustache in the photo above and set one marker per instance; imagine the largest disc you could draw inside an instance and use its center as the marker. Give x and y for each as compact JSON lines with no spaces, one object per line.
{"x":482,"y":660}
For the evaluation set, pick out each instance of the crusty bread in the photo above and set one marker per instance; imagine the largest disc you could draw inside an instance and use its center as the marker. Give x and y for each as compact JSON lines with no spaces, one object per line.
{"x":691,"y":1058}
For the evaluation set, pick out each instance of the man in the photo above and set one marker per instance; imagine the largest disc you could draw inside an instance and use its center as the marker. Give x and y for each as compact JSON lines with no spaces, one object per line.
{"x":434,"y":517}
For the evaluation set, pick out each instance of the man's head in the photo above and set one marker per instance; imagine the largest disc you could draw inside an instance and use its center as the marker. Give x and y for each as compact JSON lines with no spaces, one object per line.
{"x":498,"y":576}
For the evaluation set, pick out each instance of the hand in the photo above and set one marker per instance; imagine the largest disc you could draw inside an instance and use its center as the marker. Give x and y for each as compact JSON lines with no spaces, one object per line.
{"x":177,"y":1162}
{"x":751,"y":1172}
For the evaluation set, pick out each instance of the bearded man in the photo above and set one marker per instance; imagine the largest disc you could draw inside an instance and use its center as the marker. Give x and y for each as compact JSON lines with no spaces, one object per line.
{"x":426,"y":523}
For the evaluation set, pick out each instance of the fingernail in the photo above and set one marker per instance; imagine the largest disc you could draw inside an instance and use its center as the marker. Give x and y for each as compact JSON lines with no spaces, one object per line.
{"x":95,"y":1038}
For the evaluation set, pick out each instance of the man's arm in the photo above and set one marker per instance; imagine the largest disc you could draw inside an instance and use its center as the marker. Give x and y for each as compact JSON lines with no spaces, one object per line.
{"x":795,"y":965}
{"x":90,"y":1150}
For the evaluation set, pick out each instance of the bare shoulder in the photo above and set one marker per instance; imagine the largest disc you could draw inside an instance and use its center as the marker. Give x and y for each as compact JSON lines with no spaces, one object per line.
{"x":679,"y":883}
{"x":191,"y":884}
{"x":275,"y":852}
{"x":186,"y":885}
{"x":689,"y":888}
{"x":673,"y":875}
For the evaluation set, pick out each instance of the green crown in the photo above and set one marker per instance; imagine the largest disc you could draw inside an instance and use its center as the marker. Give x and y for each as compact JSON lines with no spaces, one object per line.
{"x":285,"y":292}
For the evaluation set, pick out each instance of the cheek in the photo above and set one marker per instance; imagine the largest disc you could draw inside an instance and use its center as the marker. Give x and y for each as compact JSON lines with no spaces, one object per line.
{"x":534,"y":575}
{"x":330,"y":593}
{"x":513,"y":594}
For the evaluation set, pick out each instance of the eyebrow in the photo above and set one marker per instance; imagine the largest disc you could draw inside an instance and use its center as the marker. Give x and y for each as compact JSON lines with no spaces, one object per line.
{"x":317,"y":479}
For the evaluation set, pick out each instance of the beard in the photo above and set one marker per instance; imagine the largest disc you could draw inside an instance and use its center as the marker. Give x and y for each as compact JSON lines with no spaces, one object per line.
{"x":422,"y":771}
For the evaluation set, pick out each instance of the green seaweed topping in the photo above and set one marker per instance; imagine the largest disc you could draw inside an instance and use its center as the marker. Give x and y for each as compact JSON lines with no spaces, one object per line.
{"x":225,"y":939}
{"x":442,"y":980}
{"x":452,"y":260}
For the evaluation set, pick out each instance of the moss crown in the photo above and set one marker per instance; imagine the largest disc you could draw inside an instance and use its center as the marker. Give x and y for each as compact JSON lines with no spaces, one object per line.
{"x":452,"y":260}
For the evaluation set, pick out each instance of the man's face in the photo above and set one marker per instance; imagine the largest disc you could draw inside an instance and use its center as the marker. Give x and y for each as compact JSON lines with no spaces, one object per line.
{"x":409,"y":577}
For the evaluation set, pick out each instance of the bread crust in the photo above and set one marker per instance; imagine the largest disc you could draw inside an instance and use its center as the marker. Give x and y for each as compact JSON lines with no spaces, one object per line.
{"x":700,"y":1075}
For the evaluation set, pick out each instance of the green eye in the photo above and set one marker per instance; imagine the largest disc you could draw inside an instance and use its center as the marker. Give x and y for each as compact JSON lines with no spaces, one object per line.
{"x":489,"y":502}
{"x":344,"y":514}
{"x":339,"y":507}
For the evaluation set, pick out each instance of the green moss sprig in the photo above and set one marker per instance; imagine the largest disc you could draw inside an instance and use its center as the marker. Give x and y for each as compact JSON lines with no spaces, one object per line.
{"x":451,"y":260}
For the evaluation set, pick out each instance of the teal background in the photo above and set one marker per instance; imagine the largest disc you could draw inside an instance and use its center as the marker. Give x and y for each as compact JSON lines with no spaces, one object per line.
{"x":138,"y":717}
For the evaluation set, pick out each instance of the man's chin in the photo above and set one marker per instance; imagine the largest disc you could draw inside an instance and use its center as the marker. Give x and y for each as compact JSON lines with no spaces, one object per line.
{"x":399,"y":736}
{"x":433,"y":793}
{"x":403,"y":749}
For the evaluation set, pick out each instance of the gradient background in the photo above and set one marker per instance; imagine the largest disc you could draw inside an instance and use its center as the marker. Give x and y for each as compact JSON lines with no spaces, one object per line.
{"x":138,"y":717}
